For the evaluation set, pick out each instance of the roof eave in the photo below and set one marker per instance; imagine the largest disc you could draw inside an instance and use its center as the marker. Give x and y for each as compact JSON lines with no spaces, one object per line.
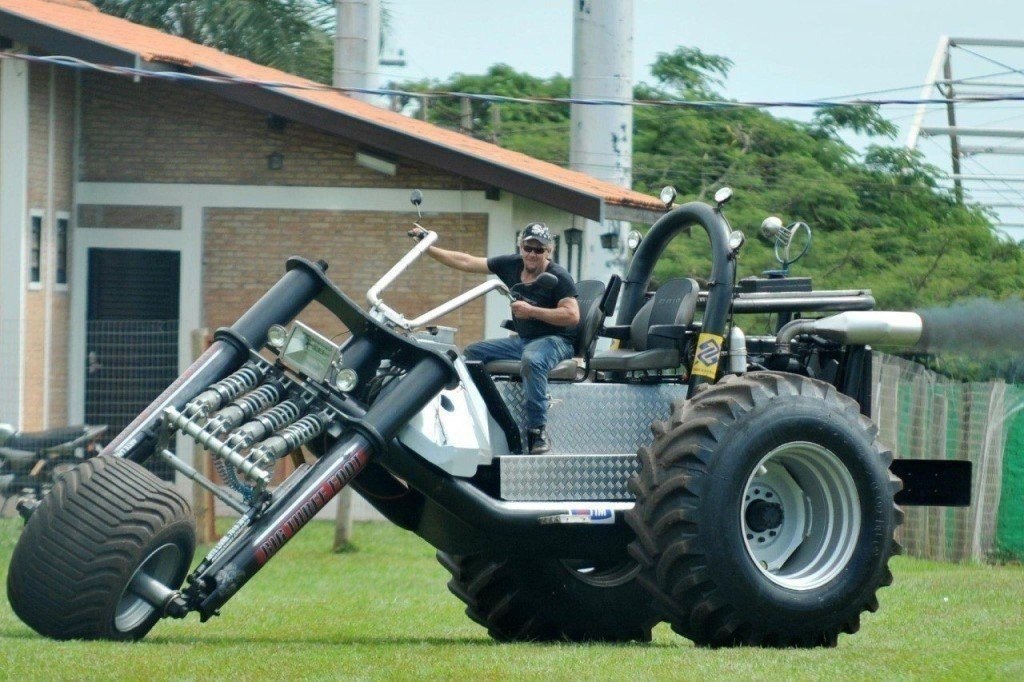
{"x":578,"y":202}
{"x":632,"y":214}
{"x":54,"y":40}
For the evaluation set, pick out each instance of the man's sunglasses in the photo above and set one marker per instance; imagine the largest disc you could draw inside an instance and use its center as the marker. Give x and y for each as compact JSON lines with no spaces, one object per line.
{"x":534,"y":249}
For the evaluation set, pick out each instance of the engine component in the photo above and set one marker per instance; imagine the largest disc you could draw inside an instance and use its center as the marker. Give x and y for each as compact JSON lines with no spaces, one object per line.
{"x":861,"y":327}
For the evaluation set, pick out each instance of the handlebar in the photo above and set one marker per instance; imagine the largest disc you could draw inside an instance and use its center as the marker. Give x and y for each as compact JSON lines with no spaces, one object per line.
{"x":399,"y":320}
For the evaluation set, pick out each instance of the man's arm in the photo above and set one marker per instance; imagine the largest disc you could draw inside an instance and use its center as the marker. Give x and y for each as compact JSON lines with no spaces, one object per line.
{"x":566,"y":314}
{"x":454,"y":259}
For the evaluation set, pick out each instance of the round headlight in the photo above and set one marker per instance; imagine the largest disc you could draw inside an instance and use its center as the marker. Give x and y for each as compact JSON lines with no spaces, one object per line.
{"x":346,"y":379}
{"x":668,"y":195}
{"x":633,"y":239}
{"x":736,"y":239}
{"x":723,"y":195}
{"x":276,"y":336}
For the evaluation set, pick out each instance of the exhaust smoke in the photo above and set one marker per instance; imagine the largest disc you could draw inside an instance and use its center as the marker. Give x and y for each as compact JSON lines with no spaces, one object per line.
{"x":975,"y":326}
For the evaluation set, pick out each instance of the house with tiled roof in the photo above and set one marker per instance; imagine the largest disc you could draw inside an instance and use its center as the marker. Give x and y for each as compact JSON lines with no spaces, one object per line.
{"x":150,"y":187}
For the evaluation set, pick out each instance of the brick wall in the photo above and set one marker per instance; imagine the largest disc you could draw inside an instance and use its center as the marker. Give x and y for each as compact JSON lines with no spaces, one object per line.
{"x":49,"y":191}
{"x":244,"y":251}
{"x":133,"y":217}
{"x":33,"y":330}
{"x":160,"y":132}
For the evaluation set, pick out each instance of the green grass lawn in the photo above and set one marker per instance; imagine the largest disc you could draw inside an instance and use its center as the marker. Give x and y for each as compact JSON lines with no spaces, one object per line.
{"x":383,"y":612}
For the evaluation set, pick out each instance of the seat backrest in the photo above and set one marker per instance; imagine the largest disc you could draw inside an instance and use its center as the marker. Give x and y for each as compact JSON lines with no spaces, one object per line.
{"x":589,"y":293}
{"x":673,"y":303}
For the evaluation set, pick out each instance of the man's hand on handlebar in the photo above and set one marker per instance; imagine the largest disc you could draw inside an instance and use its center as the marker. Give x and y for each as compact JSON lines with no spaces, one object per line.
{"x":417,"y":233}
{"x":522,"y":310}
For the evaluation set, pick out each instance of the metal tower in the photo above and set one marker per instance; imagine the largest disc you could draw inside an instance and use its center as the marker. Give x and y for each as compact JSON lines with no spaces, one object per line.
{"x":973,"y":129}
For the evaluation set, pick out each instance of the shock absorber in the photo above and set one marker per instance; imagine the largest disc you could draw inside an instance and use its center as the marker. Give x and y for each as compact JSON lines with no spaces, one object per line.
{"x":230,"y":387}
{"x":289,"y":438}
{"x":243,"y":408}
{"x":266,"y":423}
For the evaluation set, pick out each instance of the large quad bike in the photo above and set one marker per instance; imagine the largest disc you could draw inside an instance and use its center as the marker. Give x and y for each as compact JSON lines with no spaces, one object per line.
{"x":760,"y":509}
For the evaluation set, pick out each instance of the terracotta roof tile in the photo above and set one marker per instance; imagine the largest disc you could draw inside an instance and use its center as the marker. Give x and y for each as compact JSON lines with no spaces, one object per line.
{"x":80,"y":18}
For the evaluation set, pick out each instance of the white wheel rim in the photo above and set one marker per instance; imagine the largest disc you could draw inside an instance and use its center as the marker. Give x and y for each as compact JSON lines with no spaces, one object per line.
{"x":800,"y":515}
{"x":161,"y":565}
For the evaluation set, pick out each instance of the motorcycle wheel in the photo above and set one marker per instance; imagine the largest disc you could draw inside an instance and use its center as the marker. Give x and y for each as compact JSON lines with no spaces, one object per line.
{"x":107,"y":533}
{"x":546,"y":600}
{"x":765,"y":514}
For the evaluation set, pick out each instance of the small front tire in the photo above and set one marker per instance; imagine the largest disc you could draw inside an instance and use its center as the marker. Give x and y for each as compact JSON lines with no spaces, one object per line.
{"x":107,"y":533}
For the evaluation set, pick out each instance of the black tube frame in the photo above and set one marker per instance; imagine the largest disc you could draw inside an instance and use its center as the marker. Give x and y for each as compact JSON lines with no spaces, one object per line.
{"x":450,"y":513}
{"x":723,"y":269}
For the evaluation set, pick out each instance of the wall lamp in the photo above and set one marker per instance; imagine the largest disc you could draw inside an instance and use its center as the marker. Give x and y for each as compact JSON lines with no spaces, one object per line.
{"x":382,"y":163}
{"x":573,"y":236}
{"x":610,"y":241}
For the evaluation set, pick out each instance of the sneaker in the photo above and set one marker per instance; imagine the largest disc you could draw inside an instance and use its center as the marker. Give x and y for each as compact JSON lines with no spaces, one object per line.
{"x":537,"y":440}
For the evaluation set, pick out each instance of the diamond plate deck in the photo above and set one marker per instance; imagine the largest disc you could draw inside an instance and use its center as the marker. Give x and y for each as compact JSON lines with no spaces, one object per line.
{"x":567,"y":477}
{"x":598,"y":418}
{"x":595,"y":431}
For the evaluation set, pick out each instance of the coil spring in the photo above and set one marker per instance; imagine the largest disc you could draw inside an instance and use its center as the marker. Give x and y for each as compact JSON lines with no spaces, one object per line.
{"x":228,"y":388}
{"x":268,"y":422}
{"x":230,"y":477}
{"x":280,"y":416}
{"x":280,"y":444}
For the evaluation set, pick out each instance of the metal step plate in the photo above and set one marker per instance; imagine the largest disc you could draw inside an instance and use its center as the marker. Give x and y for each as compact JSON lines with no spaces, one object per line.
{"x":595,"y":431}
{"x":567,"y":477}
{"x":587,"y":419}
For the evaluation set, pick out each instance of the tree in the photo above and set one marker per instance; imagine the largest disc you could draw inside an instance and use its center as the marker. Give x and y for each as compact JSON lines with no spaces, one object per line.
{"x":291,"y":35}
{"x":880,"y":219}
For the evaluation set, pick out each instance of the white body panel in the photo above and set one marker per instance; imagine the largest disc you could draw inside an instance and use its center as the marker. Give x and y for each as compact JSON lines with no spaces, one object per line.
{"x":455,"y":431}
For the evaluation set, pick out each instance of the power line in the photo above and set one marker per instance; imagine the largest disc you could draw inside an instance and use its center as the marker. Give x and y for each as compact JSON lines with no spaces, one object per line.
{"x":177,"y":76}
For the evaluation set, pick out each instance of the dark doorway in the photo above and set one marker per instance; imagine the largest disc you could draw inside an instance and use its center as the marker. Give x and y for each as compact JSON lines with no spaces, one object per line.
{"x":131,"y":335}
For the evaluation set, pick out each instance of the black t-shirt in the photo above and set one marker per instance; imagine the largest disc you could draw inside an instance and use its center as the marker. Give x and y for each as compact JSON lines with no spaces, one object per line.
{"x":509,"y":270}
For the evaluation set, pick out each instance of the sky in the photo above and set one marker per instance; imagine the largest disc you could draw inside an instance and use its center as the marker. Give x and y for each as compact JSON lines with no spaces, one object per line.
{"x":784,"y":50}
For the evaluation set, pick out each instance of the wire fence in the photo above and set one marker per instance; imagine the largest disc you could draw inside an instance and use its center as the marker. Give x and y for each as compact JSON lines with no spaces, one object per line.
{"x":923,"y":415}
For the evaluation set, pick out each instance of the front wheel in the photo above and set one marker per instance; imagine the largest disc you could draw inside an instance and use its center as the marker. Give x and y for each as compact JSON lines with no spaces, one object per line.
{"x":107,"y":542}
{"x":519,"y":599}
{"x":765,"y":514}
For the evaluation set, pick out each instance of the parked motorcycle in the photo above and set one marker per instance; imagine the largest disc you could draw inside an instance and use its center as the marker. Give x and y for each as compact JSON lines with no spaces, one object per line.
{"x":32,"y":461}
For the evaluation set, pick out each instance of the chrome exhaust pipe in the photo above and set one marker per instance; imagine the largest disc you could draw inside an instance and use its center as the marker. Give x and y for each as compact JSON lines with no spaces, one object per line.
{"x":859,"y":327}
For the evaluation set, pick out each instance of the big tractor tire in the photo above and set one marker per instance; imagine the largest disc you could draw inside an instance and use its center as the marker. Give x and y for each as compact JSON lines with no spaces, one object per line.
{"x":108,"y":532}
{"x":551,"y":600}
{"x":765,"y":514}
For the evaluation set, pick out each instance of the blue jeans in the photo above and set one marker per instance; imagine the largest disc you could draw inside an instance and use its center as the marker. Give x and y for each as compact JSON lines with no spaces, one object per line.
{"x":538,"y":357}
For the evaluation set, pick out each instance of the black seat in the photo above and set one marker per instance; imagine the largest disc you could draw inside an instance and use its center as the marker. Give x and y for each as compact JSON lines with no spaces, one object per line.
{"x":591,"y":297}
{"x":654,"y":338}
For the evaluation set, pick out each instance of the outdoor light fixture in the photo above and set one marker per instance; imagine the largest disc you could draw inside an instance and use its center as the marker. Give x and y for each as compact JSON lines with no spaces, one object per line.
{"x":275,"y":161}
{"x":573,"y":236}
{"x":573,"y":243}
{"x":377,"y":161}
{"x":610,"y":241}
{"x":276,"y":124}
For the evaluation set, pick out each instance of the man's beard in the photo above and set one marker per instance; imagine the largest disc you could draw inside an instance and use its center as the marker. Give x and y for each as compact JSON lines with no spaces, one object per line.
{"x":537,"y":269}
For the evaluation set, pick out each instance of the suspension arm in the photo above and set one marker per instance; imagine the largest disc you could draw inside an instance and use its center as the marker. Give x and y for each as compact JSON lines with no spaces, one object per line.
{"x":219,"y":577}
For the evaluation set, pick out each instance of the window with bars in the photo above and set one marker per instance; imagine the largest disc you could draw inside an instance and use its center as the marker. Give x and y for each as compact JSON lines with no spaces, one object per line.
{"x":35,"y":250}
{"x":61,"y":255}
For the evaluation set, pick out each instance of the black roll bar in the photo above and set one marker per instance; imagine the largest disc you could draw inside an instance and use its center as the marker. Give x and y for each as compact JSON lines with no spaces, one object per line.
{"x":723,"y":273}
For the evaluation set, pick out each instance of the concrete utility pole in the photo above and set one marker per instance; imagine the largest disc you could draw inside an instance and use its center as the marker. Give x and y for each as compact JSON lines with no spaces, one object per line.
{"x":357,"y":46}
{"x":356,"y":59}
{"x":601,"y":143}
